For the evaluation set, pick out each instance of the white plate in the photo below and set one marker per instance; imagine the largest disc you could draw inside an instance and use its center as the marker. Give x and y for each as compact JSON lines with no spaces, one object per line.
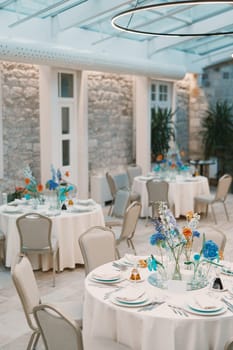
{"x":213,"y":313}
{"x":139,"y":301}
{"x":227,"y":271}
{"x":194,"y":306}
{"x":130,"y":304}
{"x":81,"y":209}
{"x":106,"y":281}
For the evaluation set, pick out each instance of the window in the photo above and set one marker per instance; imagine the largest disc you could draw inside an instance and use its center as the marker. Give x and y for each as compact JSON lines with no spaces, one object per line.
{"x":65,"y":85}
{"x":160,"y":94}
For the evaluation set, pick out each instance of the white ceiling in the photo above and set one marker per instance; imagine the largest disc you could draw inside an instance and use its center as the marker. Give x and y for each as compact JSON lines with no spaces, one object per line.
{"x":78,"y":33}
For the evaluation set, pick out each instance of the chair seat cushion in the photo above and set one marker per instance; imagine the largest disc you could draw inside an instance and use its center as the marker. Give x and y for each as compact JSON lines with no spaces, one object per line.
{"x":111,"y":221}
{"x":205,"y":199}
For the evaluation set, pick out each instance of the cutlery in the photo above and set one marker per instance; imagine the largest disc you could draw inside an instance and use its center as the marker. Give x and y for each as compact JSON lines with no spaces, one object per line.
{"x":178,"y":310}
{"x":120,"y":267}
{"x":229,"y":305}
{"x":108,"y":294}
{"x":151,"y":306}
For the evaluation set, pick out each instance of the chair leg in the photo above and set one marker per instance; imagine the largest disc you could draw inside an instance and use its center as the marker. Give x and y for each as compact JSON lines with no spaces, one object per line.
{"x":31,"y":341}
{"x":54,"y":268}
{"x":117,"y":253}
{"x":36,"y":341}
{"x":132,"y":246}
{"x":215,"y":220}
{"x":225,"y":208}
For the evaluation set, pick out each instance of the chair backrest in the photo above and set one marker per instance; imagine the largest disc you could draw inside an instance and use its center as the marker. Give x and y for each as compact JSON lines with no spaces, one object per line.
{"x":157,"y":191}
{"x":121,"y":181}
{"x":26,"y":287}
{"x":34,"y":232}
{"x":97,"y":245}
{"x":130,"y":220}
{"x":58,"y":331}
{"x":121,"y":203}
{"x":132,"y":172}
{"x":229,"y":345}
{"x":111,"y":184}
{"x":211,"y":232}
{"x":223,"y":187}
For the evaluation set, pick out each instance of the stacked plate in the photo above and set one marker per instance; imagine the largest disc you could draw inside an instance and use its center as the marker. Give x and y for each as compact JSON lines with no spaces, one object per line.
{"x":106,"y":277}
{"x":209,"y":307}
{"x":11,"y":209}
{"x":81,"y":209}
{"x":130,"y":297}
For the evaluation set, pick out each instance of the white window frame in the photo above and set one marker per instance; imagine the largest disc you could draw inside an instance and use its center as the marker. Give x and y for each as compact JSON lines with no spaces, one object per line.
{"x":157,"y":102}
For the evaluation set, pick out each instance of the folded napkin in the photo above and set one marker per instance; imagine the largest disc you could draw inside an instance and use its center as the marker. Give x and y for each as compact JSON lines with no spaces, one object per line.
{"x":106,"y":275}
{"x":86,"y":202}
{"x":205,"y":302}
{"x":145,"y":178}
{"x":129,"y":294}
{"x":80,"y":209}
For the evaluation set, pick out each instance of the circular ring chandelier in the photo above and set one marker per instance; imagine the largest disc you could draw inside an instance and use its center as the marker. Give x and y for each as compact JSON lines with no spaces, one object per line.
{"x":139,"y":9}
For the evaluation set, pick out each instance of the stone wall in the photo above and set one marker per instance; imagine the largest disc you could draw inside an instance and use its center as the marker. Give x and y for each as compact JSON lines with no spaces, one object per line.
{"x":20,"y":119}
{"x":192,"y":105}
{"x":110,"y":118}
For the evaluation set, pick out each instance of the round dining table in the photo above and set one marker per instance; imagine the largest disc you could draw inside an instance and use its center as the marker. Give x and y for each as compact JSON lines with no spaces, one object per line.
{"x":167,"y":325}
{"x":66,"y":228}
{"x":181,"y":193}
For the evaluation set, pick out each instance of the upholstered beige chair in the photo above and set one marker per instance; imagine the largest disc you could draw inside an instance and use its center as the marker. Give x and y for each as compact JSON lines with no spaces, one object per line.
{"x":97,"y":245}
{"x":27,"y":289}
{"x":60,"y":332}
{"x":220,"y":196}
{"x":35,"y":236}
{"x":130,"y":220}
{"x":211,"y":232}
{"x":229,"y":344}
{"x":157,"y":192}
{"x":132,"y":172}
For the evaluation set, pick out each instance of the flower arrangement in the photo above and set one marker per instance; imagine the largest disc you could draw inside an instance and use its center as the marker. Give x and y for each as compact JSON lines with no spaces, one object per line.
{"x":168,"y":237}
{"x":172,"y":161}
{"x":32,"y":188}
{"x":58,"y":183}
{"x":209,"y":255}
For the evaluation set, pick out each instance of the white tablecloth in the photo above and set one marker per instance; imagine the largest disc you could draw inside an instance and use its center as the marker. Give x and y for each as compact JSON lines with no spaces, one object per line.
{"x":181,"y":194}
{"x":67,"y":227}
{"x":160,"y":328}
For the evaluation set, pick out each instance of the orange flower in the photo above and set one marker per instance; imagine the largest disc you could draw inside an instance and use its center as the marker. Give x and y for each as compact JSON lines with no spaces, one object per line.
{"x":187,"y":232}
{"x":27,"y":181}
{"x":40,"y":188}
{"x":189,"y":215}
{"x":159,"y":157}
{"x":182,"y":153}
{"x":67,"y":173}
{"x":173,"y":165}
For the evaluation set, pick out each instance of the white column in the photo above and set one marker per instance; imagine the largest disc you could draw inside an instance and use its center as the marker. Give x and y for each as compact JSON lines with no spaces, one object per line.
{"x":143,"y":120}
{"x":46,"y":131}
{"x":82,"y":132}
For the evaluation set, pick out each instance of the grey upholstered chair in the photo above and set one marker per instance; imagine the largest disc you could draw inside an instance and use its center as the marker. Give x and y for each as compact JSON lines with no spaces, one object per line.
{"x":157,"y":192}
{"x":130,"y":220}
{"x":98,"y":247}
{"x":132,"y":172}
{"x":35,"y":236}
{"x":118,"y":182}
{"x":120,"y":205}
{"x":2,"y":248}
{"x":60,"y":332}
{"x":27,"y":289}
{"x":211,"y":232}
{"x":220,"y":196}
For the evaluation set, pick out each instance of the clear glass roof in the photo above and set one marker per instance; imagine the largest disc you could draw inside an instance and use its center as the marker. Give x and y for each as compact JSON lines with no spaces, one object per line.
{"x":93,"y":17}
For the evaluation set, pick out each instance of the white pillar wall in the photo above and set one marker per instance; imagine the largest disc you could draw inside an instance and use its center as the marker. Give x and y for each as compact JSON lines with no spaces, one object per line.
{"x":143,"y":120}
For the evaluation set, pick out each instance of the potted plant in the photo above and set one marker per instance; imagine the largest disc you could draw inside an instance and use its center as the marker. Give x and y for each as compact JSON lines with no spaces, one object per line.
{"x":217,"y":135}
{"x":162,"y":131}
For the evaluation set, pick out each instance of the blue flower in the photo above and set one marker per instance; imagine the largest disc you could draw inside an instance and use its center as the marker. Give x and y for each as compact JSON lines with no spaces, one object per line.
{"x":196,"y":234}
{"x":210,"y":250}
{"x":51,"y":184}
{"x":157,"y":238}
{"x":196,"y":257}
